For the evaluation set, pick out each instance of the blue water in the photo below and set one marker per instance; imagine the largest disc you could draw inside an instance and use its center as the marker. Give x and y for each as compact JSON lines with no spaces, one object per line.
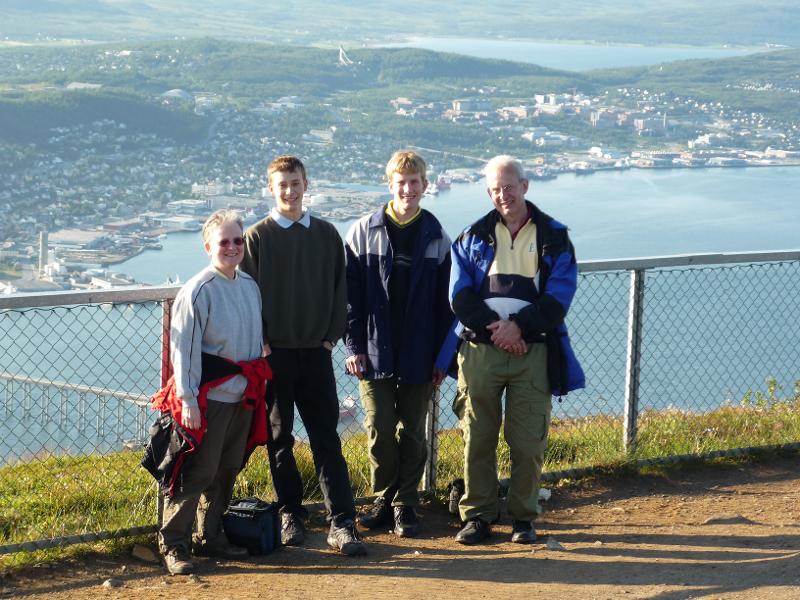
{"x":613,"y":214}
{"x":710,"y":335}
{"x":570,"y":57}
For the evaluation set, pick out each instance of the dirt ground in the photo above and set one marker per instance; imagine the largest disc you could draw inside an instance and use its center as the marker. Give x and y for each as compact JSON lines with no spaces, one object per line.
{"x":715,"y":531}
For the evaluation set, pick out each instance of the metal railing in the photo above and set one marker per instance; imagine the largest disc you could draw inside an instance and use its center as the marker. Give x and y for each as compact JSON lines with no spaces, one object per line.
{"x":685,"y":356}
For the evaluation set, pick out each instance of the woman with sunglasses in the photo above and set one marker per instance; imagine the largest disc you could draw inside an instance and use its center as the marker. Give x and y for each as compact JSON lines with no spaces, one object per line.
{"x":216,"y":315}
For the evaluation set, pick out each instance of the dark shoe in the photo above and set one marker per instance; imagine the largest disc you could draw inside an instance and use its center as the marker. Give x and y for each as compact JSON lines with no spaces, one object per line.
{"x":293,"y":533}
{"x":178,"y":561}
{"x":522,"y":532}
{"x":380,"y":515}
{"x":474,"y":532}
{"x":345,"y":539}
{"x":406,"y":521}
{"x":220,"y":548}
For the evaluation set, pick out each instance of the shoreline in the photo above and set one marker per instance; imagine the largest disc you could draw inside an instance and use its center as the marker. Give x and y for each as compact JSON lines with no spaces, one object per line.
{"x":342,"y":212}
{"x":410,"y":39}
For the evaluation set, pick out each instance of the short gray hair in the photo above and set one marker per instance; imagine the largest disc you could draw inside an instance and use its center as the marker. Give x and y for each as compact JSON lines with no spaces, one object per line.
{"x":503,"y":162}
{"x":223,"y":215}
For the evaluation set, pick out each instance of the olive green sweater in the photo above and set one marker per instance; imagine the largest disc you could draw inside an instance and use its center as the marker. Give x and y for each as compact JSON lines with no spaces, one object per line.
{"x":301,"y":274}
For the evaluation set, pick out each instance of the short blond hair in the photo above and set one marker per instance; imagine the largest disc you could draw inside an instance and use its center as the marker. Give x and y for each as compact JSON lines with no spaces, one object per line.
{"x":406,"y":162}
{"x":223,"y":215}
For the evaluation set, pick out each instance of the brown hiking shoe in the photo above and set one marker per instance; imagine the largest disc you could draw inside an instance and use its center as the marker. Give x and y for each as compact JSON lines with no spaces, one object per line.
{"x":178,"y":561}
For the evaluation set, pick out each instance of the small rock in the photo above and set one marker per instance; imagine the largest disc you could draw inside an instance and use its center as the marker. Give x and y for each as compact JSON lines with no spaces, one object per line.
{"x":417,"y":552}
{"x":572,"y":511}
{"x":598,"y":543}
{"x":618,"y":509}
{"x":112,"y":583}
{"x":123,"y":569}
{"x":144,"y":553}
{"x":552,"y":544}
{"x":728,"y":520}
{"x":194,"y":579}
{"x":544,"y":494}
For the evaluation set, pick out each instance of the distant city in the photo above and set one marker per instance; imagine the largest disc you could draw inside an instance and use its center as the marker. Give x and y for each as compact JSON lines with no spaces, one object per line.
{"x":95,"y":194}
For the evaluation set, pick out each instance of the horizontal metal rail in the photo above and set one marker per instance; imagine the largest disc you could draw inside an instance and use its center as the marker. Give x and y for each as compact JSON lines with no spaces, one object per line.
{"x":160,"y":293}
{"x":686,"y":260}
{"x":83,"y":538}
{"x":137,"y":399}
{"x":70,"y":298}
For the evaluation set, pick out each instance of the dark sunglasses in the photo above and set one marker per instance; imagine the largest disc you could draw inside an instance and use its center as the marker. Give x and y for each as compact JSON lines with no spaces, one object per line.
{"x":224,"y":243}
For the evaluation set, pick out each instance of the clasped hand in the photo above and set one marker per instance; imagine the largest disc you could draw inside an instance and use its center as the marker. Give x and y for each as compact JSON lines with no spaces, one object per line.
{"x":507,"y":336}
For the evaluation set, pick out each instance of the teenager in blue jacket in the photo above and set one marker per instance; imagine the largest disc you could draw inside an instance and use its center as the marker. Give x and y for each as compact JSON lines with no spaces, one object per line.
{"x":398,"y":314}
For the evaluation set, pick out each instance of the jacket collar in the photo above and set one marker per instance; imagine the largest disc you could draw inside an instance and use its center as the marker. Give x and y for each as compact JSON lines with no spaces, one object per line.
{"x":430,"y":226}
{"x":484,"y":227}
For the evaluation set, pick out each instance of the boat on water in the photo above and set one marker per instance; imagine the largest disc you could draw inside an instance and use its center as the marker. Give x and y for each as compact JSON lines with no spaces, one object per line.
{"x":542,"y":174}
{"x":443,"y":182}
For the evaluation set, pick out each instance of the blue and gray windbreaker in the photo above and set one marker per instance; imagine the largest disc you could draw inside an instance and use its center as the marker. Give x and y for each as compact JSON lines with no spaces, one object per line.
{"x":472,"y":254}
{"x":368,"y":257}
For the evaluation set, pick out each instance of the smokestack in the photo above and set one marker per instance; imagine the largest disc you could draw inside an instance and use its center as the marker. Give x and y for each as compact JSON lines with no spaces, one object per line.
{"x":42,"y":251}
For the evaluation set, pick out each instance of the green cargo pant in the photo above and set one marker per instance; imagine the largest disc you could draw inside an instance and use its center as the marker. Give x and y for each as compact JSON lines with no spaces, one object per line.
{"x":395,"y":425}
{"x":485,"y":372}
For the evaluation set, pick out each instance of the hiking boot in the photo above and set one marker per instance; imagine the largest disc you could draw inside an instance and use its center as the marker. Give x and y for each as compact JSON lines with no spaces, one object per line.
{"x":474,"y":532}
{"x":345,"y":539}
{"x":406,"y":521}
{"x":522,"y":532}
{"x":293,"y":533}
{"x":380,"y":515}
{"x":220,"y":548}
{"x":178,"y":561}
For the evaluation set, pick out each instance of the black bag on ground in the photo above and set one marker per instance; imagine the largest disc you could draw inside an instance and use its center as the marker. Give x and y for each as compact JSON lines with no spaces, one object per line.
{"x":253,"y":524}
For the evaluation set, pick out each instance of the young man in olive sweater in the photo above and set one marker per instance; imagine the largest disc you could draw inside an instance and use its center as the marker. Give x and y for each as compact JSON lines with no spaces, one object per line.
{"x":297,"y":260}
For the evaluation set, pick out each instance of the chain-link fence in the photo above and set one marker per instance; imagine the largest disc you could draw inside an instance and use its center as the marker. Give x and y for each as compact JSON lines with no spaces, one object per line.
{"x":75,"y":383}
{"x":678,"y":359}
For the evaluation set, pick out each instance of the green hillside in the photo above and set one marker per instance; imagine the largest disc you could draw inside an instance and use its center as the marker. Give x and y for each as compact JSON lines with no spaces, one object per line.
{"x":32,"y":117}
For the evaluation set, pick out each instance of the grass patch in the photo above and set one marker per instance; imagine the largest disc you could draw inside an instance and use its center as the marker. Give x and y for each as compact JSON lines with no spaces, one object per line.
{"x":52,"y":496}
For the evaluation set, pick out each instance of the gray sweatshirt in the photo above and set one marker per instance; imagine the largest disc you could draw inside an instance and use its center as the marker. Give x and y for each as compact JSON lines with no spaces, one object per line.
{"x":216,"y":315}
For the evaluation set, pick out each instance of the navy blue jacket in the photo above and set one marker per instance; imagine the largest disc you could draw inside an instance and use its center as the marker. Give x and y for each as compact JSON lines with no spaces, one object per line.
{"x":368,"y":259}
{"x":472,"y":255}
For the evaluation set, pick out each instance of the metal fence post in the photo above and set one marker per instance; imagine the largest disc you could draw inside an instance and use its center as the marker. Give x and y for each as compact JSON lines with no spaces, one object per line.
{"x":633,"y":359}
{"x":432,"y":435}
{"x":166,"y":321}
{"x":166,"y":373}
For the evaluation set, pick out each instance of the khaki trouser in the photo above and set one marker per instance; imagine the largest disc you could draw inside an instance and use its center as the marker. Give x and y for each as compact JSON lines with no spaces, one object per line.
{"x":485,"y":372}
{"x":207,"y":483}
{"x":395,"y":423}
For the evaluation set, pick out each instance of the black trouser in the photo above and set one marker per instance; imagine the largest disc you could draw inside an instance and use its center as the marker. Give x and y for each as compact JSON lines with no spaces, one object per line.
{"x":304,"y":377}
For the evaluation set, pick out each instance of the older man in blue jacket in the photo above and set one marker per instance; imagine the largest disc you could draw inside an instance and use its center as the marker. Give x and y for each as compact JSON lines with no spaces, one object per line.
{"x":398,"y":314}
{"x":513,"y":278}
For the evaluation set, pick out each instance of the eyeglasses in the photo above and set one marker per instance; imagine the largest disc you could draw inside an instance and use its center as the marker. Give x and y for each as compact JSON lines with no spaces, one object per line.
{"x":237,"y":241}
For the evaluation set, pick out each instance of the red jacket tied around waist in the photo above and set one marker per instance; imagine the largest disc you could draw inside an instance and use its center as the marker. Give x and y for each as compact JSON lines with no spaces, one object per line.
{"x":171,"y":443}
